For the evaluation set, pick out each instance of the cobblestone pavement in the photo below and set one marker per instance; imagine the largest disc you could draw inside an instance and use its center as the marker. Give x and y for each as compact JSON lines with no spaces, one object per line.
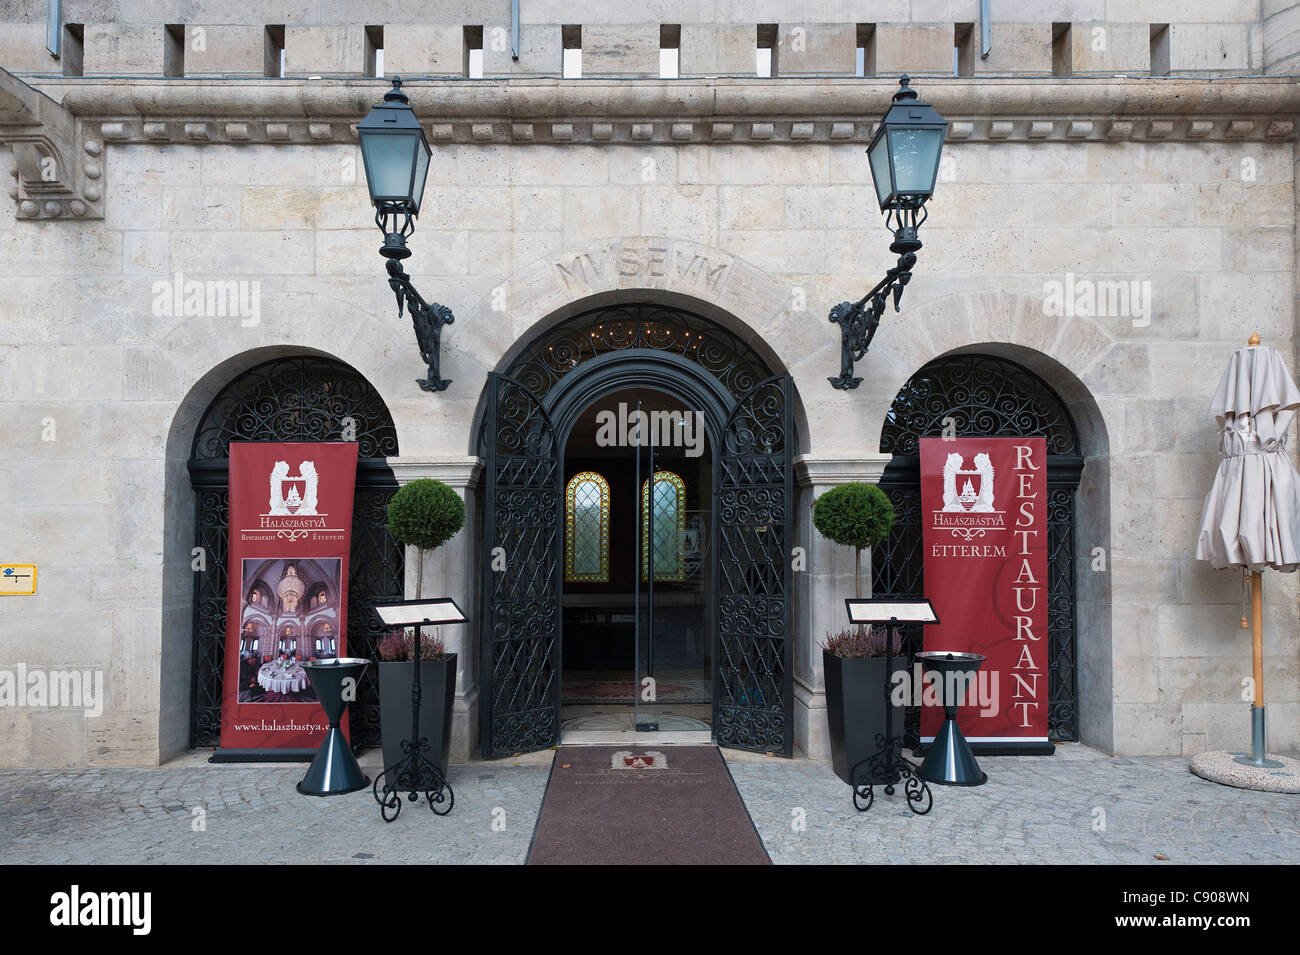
{"x":252,"y":814}
{"x":1077,"y":807}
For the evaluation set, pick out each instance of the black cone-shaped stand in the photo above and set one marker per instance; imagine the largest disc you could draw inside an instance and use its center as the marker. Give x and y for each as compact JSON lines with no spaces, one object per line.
{"x":950,"y":761}
{"x":334,"y":770}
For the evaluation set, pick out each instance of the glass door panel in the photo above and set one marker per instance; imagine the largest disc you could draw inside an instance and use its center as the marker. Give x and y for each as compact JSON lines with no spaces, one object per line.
{"x":673,"y":659}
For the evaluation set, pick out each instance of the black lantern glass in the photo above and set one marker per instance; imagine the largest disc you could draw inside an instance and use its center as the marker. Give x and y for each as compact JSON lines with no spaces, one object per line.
{"x":395,"y":153}
{"x":904,"y":155}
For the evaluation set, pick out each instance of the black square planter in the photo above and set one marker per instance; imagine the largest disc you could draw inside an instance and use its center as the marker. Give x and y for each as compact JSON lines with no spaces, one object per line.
{"x":437,"y":697}
{"x":855,"y":709}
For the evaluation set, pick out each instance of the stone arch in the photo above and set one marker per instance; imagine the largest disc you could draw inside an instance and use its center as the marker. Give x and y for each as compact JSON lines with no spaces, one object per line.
{"x":761,"y":355}
{"x":358,"y":326}
{"x":674,"y":273}
{"x":657,"y":353}
{"x":1064,"y":352}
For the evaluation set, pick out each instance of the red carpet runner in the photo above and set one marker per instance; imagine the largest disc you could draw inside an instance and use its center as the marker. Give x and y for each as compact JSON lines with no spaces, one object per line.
{"x":657,"y":805}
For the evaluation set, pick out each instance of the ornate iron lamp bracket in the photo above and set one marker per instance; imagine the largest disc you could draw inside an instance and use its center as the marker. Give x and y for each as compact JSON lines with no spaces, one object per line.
{"x":859,"y":320}
{"x":428,"y":319}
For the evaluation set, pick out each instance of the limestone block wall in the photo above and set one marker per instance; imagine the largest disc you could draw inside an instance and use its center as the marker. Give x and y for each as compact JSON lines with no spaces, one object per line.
{"x":514,"y":233}
{"x":1281,"y":36}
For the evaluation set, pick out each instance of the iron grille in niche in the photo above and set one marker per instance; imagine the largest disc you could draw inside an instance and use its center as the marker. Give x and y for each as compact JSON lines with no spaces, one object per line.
{"x":985,"y":397}
{"x":294,"y":399}
{"x":752,"y":480}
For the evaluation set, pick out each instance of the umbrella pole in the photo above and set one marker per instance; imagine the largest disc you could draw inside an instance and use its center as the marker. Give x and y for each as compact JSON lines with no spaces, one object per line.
{"x":1257,"y":633}
{"x":1258,"y":745}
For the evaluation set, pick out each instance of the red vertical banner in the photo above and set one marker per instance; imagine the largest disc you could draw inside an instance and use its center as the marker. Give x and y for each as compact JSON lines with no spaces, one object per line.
{"x":984,"y":534}
{"x":287,"y":587}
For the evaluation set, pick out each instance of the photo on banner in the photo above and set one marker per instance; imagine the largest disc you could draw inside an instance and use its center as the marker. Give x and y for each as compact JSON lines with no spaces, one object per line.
{"x":290,"y":615}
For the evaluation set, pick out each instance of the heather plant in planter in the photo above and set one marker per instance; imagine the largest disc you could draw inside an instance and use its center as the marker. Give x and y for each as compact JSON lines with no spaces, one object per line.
{"x":397,"y":646}
{"x":857,"y":644}
{"x":853,"y":661}
{"x":423,"y":514}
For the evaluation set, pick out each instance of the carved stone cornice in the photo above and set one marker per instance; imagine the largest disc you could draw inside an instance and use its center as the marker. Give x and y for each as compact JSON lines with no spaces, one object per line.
{"x":458,"y":473}
{"x":58,"y":168}
{"x":828,"y":470}
{"x":57,"y":132}
{"x":641,"y":111}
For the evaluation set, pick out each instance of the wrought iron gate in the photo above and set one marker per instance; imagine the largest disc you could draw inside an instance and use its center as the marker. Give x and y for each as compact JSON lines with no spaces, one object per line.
{"x":753,"y":680}
{"x":293,"y":399}
{"x":520,"y":577}
{"x":985,"y":396}
{"x":521,"y":615}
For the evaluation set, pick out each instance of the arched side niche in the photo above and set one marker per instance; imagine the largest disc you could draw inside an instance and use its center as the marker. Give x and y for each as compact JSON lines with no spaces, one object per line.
{"x":272,"y":394}
{"x":995,"y":389}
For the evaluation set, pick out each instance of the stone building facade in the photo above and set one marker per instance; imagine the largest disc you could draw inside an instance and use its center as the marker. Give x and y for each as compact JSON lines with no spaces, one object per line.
{"x":1105,"y":142}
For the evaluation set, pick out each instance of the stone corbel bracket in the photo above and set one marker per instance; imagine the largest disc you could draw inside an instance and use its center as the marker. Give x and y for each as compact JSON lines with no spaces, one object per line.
{"x":58,"y":168}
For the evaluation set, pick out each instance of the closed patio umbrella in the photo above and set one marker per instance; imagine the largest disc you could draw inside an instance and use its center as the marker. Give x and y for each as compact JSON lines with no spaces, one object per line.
{"x":1251,"y":518}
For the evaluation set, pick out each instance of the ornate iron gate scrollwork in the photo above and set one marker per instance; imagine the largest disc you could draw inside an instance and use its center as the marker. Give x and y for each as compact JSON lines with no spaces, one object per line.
{"x":293,"y":399}
{"x":520,"y":581}
{"x":754,"y":678}
{"x":985,"y":396}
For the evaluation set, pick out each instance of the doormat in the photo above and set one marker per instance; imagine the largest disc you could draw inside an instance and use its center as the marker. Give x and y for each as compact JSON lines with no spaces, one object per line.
{"x":665,"y":805}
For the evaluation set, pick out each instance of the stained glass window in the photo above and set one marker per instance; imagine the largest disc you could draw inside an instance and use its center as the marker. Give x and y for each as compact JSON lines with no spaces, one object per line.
{"x":669,"y":522}
{"x":586,"y":529}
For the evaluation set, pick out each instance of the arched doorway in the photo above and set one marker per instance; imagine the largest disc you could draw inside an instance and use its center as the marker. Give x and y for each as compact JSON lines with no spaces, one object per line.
{"x":978,"y":395}
{"x":299,"y":398}
{"x":530,"y":410}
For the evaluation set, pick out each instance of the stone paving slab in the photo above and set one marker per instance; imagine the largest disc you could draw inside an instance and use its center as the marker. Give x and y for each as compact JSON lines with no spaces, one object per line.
{"x":1075,"y":807}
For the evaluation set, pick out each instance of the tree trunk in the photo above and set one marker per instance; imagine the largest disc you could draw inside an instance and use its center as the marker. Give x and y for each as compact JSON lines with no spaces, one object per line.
{"x":857,"y":582}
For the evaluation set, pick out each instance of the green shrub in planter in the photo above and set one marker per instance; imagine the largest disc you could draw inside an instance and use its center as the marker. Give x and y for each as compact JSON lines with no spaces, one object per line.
{"x":856,"y":515}
{"x":423,"y":514}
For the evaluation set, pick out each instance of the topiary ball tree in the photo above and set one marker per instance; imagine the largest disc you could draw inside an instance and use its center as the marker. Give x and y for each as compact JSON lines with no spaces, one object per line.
{"x":857,"y":515}
{"x":425,"y":514}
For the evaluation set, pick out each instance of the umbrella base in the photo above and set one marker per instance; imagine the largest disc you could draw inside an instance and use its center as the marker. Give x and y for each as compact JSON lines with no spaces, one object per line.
{"x":1225,"y":768}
